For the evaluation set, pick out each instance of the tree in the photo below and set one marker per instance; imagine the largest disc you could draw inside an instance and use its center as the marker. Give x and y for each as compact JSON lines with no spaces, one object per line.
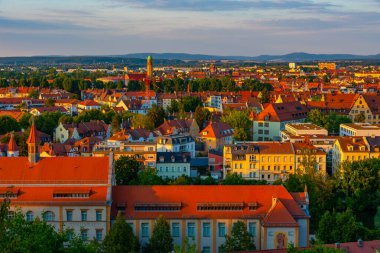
{"x":142,"y":121}
{"x":8,"y":124}
{"x":148,"y":176}
{"x":34,"y":94}
{"x":186,"y":247}
{"x":264,"y":96}
{"x":126,"y":170}
{"x":360,"y":118}
{"x":68,"y":84}
{"x":120,"y":238}
{"x":49,"y":102}
{"x":174,"y":106}
{"x":161,"y":239}
{"x":241,"y":123}
{"x":190,"y":103}
{"x":339,"y":227}
{"x":156,"y":115}
{"x":316,"y":117}
{"x":202,"y":115}
{"x":334,"y":122}
{"x":115,"y":124}
{"x":240,"y":239}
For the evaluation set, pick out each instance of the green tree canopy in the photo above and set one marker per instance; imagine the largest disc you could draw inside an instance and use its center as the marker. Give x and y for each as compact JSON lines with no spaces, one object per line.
{"x":8,"y":124}
{"x":126,"y":170}
{"x":240,"y":239}
{"x":161,"y":239}
{"x":120,"y":238}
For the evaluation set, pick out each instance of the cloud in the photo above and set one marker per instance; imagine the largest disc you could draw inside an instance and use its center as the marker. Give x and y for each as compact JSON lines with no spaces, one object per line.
{"x":224,"y":5}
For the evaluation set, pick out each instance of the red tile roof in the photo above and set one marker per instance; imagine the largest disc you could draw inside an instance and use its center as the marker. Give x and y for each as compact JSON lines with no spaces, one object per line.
{"x":54,"y":170}
{"x":283,"y":112}
{"x":279,"y":216}
{"x":12,"y":146}
{"x":33,"y":136}
{"x":189,"y":197}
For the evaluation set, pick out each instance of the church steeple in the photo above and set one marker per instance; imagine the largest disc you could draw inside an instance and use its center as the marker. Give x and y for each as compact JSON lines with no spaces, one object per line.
{"x":33,"y":144}
{"x":12,"y":147}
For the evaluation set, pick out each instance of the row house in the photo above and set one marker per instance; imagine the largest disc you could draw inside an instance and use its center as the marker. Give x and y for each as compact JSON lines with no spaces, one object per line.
{"x":274,"y":217}
{"x":37,"y":111}
{"x":271,"y":161}
{"x":171,"y":165}
{"x":15,"y":103}
{"x":179,"y":127}
{"x":77,"y":131}
{"x":268,"y":124}
{"x":176,"y":144}
{"x":350,"y":149}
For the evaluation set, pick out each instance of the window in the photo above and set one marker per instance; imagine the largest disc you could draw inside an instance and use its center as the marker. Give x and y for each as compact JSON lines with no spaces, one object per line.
{"x":83,"y":215}
{"x":221,"y":229}
{"x":70,"y":234}
{"x":175,"y":229}
{"x":48,"y":216}
{"x":84,"y":234}
{"x":144,"y":230}
{"x":252,"y":228}
{"x":266,"y":124}
{"x":99,"y":234}
{"x":69,"y":215}
{"x":98,"y":215}
{"x":206,"y":229}
{"x":29,"y":216}
{"x":191,"y":229}
{"x":206,"y":249}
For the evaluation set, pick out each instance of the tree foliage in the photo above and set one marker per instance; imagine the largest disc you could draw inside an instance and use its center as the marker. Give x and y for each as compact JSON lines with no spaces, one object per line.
{"x":120,"y":239}
{"x":240,"y":239}
{"x":161,"y":239}
{"x":240,"y":122}
{"x":126,"y":170}
{"x":202,"y":115}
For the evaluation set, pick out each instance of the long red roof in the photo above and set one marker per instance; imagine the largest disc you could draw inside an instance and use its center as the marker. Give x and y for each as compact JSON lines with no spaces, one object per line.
{"x":190,"y":196}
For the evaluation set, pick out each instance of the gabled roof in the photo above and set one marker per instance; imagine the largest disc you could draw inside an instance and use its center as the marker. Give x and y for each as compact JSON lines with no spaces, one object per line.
{"x":217,"y":130}
{"x":281,"y":112}
{"x":279,"y":216}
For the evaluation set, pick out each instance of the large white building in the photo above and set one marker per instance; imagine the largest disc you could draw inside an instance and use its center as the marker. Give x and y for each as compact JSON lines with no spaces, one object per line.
{"x":205,"y":214}
{"x":176,"y":144}
{"x":71,"y":193}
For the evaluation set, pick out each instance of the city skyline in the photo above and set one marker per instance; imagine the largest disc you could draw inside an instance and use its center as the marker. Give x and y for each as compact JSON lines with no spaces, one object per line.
{"x":224,"y":27}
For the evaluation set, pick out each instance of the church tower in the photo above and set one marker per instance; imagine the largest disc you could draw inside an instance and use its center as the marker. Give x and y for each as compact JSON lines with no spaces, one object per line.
{"x":33,"y":145}
{"x":149,"y":67}
{"x":13,"y":150}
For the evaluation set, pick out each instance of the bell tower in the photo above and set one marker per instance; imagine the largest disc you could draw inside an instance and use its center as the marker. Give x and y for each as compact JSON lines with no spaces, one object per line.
{"x":33,"y":145}
{"x":149,"y":67}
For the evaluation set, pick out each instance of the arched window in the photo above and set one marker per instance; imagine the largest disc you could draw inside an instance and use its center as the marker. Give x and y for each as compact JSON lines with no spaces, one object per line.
{"x":29,"y":216}
{"x":48,"y":216}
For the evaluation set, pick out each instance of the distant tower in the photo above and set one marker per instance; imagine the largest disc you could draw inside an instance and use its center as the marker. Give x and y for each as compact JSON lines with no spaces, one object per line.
{"x":33,"y":145}
{"x":12,"y":147}
{"x":149,"y":67}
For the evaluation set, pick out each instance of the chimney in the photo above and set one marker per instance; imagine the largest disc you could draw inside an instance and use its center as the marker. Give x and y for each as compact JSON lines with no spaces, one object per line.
{"x":360,"y":243}
{"x":274,"y":201}
{"x":33,"y":145}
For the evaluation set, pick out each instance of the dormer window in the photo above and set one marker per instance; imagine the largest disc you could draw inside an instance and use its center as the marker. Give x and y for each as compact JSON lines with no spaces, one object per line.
{"x":173,"y":159}
{"x":362,"y":148}
{"x":162,"y":159}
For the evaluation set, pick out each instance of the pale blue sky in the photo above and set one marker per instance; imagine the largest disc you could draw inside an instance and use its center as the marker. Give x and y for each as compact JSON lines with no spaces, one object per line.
{"x":222,"y":27}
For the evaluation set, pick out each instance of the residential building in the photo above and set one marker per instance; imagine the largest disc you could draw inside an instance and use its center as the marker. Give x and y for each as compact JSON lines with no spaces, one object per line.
{"x":359,"y":129}
{"x":206,"y":214}
{"x":302,"y":129}
{"x":37,"y":111}
{"x":354,"y":149}
{"x":269,"y":161}
{"x":216,"y":135}
{"x":368,"y":105}
{"x":179,"y":127}
{"x":176,"y":144}
{"x":88,"y":105}
{"x":172,"y":165}
{"x":143,"y":152}
{"x":268,"y":124}
{"x":93,"y":128}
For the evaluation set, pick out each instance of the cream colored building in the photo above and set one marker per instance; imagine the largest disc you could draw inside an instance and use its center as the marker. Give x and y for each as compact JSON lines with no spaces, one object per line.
{"x":359,"y":129}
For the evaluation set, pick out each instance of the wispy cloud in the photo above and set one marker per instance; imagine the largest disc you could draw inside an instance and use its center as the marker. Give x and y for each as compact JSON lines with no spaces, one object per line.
{"x":224,"y":5}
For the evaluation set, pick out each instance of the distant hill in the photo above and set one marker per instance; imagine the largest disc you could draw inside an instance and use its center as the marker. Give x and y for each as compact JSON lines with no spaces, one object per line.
{"x":297,"y":57}
{"x":138,"y":59}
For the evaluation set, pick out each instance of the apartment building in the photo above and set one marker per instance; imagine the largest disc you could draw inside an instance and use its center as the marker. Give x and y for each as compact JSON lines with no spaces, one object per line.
{"x":270,"y":161}
{"x":359,"y":129}
{"x":176,"y":144}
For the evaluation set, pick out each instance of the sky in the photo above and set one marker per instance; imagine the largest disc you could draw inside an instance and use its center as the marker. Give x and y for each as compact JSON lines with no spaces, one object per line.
{"x":217,"y":27}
